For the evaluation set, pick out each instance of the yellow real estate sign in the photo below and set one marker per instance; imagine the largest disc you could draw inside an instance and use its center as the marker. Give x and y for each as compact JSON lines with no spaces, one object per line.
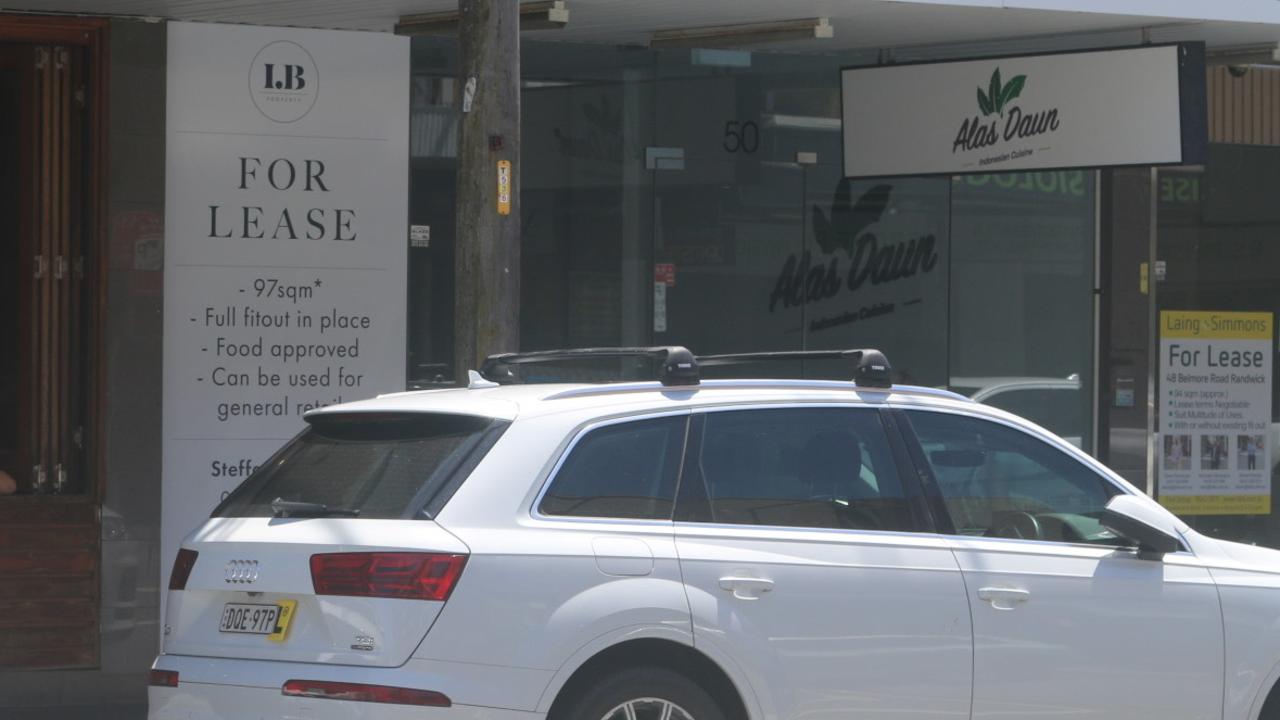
{"x":1214,"y":450}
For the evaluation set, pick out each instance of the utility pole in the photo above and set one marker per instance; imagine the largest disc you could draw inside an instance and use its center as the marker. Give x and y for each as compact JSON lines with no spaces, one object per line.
{"x":487,"y":245}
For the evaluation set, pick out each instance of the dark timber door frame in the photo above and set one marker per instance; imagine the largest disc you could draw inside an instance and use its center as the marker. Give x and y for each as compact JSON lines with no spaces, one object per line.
{"x":50,"y":554}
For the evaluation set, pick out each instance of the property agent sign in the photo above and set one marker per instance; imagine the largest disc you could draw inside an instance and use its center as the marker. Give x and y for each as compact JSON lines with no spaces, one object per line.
{"x":285,"y":224}
{"x":1215,"y":444}
{"x":1139,"y":106}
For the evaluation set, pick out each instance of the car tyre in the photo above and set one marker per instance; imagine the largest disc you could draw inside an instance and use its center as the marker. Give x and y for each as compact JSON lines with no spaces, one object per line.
{"x":648,"y":693}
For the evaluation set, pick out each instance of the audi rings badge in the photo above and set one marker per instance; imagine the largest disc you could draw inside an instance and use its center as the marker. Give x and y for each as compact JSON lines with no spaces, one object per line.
{"x":241,"y":572}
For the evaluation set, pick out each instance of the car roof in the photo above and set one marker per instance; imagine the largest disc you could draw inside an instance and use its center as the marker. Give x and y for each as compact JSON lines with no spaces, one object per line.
{"x":507,"y":402}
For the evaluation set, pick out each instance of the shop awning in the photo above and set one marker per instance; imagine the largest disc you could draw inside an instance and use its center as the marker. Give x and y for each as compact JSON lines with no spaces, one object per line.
{"x":912,"y":28}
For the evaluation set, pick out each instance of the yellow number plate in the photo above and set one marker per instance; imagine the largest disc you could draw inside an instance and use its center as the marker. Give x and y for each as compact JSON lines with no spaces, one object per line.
{"x":286,"y":618}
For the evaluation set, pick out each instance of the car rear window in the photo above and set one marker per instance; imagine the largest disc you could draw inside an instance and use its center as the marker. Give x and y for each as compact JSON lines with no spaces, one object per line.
{"x":368,"y":465}
{"x":626,"y":470}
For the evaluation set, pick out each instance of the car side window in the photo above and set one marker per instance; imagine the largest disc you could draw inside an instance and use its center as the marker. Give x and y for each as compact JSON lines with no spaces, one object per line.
{"x":997,"y":481}
{"x":1058,"y":409}
{"x":626,"y":470}
{"x":804,"y":467}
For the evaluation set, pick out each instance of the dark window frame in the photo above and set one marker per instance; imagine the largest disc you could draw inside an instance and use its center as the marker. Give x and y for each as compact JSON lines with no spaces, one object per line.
{"x":693,"y":501}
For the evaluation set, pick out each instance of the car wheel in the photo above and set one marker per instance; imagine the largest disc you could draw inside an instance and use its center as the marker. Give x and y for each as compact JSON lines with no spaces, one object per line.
{"x":645,"y":693}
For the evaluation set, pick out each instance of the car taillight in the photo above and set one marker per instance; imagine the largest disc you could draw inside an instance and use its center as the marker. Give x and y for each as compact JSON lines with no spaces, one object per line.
{"x":182,"y":569}
{"x":364,"y":693}
{"x":163,"y":678}
{"x":415,"y":576}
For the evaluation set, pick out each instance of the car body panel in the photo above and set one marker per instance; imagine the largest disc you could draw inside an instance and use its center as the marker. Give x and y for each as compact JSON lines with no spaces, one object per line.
{"x":197,"y":701}
{"x":634,"y":633}
{"x":541,"y":596}
{"x":863,"y":623}
{"x":535,"y":604}
{"x":324,"y":629}
{"x":1094,"y":632}
{"x":494,"y":686}
{"x":534,"y":591}
{"x":1248,"y":582}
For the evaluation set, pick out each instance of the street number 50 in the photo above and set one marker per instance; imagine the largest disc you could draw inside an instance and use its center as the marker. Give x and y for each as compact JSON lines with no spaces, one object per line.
{"x":741,"y":136}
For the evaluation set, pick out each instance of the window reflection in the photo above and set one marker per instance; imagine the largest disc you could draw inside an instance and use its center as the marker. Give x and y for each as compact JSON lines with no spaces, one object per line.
{"x":749,"y":237}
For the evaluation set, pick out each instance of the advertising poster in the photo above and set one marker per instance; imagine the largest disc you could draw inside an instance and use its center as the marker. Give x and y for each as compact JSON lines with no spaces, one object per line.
{"x":1215,"y":444}
{"x":285,"y":243}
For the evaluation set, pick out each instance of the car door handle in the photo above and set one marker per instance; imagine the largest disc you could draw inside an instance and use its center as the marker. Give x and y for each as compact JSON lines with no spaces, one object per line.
{"x":746,"y":588}
{"x":1004,"y":598}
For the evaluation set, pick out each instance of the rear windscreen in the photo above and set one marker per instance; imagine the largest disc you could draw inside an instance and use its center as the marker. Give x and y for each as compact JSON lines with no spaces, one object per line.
{"x":368,"y":465}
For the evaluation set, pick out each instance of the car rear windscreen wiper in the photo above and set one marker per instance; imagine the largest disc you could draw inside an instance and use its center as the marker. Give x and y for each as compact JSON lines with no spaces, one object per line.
{"x":294,"y":508}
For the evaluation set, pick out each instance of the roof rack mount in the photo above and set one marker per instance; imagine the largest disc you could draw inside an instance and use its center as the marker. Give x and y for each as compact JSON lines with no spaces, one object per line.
{"x":871,"y":367}
{"x":680,"y":368}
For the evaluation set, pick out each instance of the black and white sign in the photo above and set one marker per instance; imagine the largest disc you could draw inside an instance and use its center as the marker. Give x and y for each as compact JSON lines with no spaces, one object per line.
{"x":1137,"y":106}
{"x":286,"y":213}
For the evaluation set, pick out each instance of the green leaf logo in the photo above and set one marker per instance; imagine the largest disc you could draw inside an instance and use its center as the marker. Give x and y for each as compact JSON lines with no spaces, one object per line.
{"x":1012,"y":90}
{"x":999,"y":95}
{"x":993,"y":92}
{"x":984,"y":104}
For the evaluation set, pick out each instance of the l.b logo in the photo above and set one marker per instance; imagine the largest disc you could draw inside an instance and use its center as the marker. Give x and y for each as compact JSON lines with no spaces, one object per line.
{"x":292,"y":77}
{"x":283,"y":81}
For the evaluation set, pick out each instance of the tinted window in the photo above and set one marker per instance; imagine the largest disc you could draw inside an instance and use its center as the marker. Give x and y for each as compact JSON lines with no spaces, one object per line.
{"x":1000,"y":482}
{"x":627,"y":470}
{"x":384,"y":466}
{"x":815,"y":467}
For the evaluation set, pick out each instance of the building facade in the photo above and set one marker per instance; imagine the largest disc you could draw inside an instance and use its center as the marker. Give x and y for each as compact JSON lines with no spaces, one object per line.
{"x":693,"y":196}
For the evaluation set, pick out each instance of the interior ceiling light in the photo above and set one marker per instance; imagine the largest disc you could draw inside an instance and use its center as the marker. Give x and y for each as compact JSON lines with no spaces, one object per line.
{"x":542,"y":15}
{"x":733,"y":36}
{"x":1244,"y":56}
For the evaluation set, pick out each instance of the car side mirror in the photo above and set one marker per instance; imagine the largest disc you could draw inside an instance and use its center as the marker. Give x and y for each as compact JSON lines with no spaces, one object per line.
{"x":1129,"y":517}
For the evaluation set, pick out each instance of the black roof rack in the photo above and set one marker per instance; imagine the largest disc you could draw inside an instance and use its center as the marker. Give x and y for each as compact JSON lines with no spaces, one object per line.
{"x":871,"y":368}
{"x":679,"y":367}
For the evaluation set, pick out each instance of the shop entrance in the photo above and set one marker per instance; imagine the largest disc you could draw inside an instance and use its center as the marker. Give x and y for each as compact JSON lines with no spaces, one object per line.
{"x":49,"y":549}
{"x":15,"y":454}
{"x":42,"y":313}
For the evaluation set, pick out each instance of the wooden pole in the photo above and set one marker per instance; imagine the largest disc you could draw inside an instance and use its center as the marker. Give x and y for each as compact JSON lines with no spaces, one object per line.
{"x":487,"y":254}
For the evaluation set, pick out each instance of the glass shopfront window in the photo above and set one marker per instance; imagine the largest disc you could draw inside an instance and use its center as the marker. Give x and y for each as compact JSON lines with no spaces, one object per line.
{"x":1217,"y":229}
{"x":1021,"y":310}
{"x":697,"y":198}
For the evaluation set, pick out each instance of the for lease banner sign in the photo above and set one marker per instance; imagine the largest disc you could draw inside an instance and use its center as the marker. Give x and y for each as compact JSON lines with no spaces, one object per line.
{"x":1215,"y":448}
{"x":285,"y":244}
{"x":1136,"y":106}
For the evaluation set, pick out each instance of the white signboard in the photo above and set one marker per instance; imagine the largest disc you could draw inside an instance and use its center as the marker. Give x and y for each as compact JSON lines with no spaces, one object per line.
{"x":1215,"y":413}
{"x":285,"y":254}
{"x":1142,"y":106}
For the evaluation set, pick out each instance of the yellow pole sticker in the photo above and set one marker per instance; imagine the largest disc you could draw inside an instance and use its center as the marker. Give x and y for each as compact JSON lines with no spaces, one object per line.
{"x":504,"y":187}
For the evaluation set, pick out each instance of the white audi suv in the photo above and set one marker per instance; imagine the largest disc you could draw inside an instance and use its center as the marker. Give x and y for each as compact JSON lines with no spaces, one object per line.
{"x":694,"y":549}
